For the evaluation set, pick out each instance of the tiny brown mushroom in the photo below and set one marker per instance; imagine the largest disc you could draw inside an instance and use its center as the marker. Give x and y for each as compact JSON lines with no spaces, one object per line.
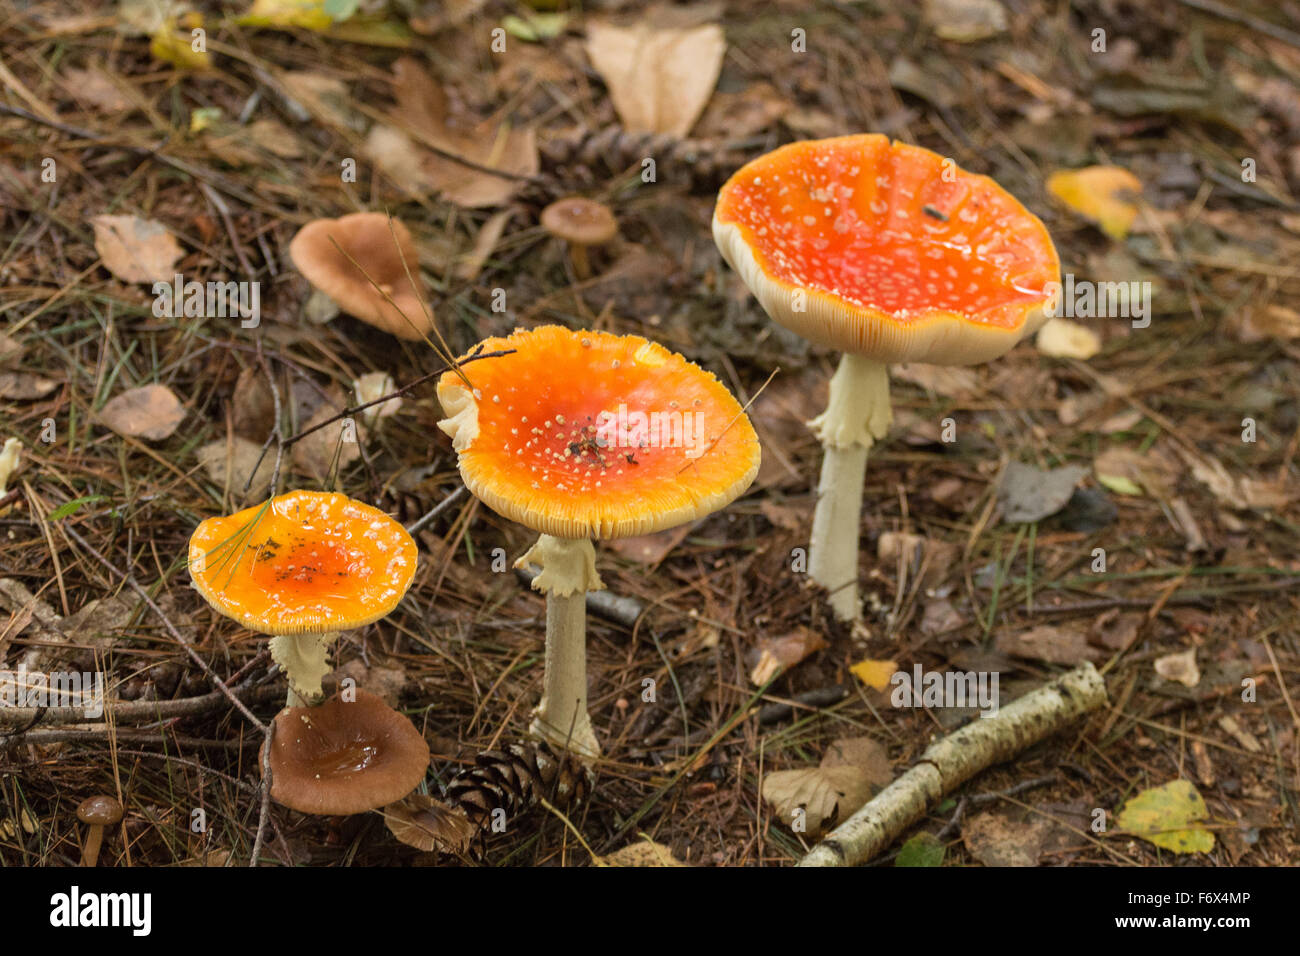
{"x":97,"y":812}
{"x":366,"y":256}
{"x":345,"y":757}
{"x":581,"y":223}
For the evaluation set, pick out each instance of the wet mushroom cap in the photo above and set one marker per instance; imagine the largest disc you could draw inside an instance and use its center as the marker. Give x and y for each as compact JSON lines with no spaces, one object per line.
{"x":306,"y":562}
{"x":581,"y":221}
{"x":886,"y":250}
{"x":367,"y":238}
{"x":594,"y":435}
{"x":99,"y":811}
{"x":345,"y":757}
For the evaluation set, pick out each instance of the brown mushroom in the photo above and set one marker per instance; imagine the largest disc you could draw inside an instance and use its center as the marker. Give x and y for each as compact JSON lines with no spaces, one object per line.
{"x":365,"y":257}
{"x":97,"y":812}
{"x":344,"y":756}
{"x":581,"y":223}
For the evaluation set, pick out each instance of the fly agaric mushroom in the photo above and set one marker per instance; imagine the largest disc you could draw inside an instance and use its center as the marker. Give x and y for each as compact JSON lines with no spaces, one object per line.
{"x":889,"y":253}
{"x":581,"y":223}
{"x":345,"y":756}
{"x":97,"y":812}
{"x":356,"y":263}
{"x":582,"y":435}
{"x":302,"y":567}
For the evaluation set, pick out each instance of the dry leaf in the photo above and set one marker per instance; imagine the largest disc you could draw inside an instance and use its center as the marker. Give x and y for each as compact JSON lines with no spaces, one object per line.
{"x":325,"y":98}
{"x":1265,"y":323}
{"x":1061,"y":338}
{"x":1240,"y":494}
{"x":1028,"y":494}
{"x":230,"y":466}
{"x":24,"y":386}
{"x":865,"y":753}
{"x":422,"y":108}
{"x":1169,"y":817}
{"x":995,"y":839}
{"x":95,"y":87}
{"x":1103,"y":194}
{"x":327,"y":450}
{"x":1180,"y":668}
{"x":1244,"y":737}
{"x":10,"y":348}
{"x":372,"y":386}
{"x":950,"y":381}
{"x":485,"y":244}
{"x":827,"y":796}
{"x":135,"y":249}
{"x":151,"y":411}
{"x":643,"y":853}
{"x":649,"y":548}
{"x":1054,"y":645}
{"x":659,"y":79}
{"x":776,"y":654}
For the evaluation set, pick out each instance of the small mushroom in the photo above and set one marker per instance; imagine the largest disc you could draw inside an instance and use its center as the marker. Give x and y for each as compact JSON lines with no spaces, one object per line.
{"x":888,"y":253}
{"x":582,"y":435}
{"x":581,"y":223}
{"x":346,"y":258}
{"x":345,"y":756}
{"x":302,"y":567}
{"x":97,"y":812}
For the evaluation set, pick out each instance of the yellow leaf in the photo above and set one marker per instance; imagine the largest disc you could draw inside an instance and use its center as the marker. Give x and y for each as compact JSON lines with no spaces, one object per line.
{"x":1121,"y":485}
{"x":177,"y":49}
{"x":203,"y":118}
{"x":1103,"y":194}
{"x":308,"y":14}
{"x":1168,"y":817}
{"x":874,"y":673}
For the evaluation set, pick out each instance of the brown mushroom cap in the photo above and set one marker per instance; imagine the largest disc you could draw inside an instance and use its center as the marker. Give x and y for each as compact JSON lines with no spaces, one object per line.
{"x":342,"y":758}
{"x":99,"y":811}
{"x":367,"y":238}
{"x":583,"y":222}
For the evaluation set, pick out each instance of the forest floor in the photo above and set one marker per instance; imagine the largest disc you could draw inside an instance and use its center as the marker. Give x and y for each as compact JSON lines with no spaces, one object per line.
{"x":1186,"y":429}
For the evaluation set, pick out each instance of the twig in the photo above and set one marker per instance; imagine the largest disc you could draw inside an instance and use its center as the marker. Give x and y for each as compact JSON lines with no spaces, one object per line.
{"x":265,"y":806}
{"x":437,"y":509}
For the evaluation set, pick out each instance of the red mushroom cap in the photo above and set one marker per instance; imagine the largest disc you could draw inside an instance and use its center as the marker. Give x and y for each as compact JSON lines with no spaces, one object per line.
{"x":594,"y":435}
{"x":886,"y":250}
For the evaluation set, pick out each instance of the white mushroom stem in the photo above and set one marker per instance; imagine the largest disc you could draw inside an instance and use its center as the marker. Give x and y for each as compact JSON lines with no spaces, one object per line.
{"x":568,"y":572}
{"x":8,"y":463}
{"x":857,"y":415}
{"x":304,"y":660}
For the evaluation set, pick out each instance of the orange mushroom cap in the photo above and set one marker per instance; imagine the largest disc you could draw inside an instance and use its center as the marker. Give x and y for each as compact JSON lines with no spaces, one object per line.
{"x":886,"y":250}
{"x":306,"y":562}
{"x":552,"y":436}
{"x":345,"y":757}
{"x":367,"y":238}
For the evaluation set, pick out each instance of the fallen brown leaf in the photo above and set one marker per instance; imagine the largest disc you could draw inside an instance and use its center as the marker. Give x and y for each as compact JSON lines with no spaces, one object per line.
{"x":135,"y":249}
{"x":151,"y":411}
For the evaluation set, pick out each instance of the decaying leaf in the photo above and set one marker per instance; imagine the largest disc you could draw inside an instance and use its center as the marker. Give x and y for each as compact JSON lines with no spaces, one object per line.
{"x":644,"y":852}
{"x":813,"y":799}
{"x":327,"y":450}
{"x":874,"y":673}
{"x":1102,"y":194}
{"x":135,"y":249}
{"x":95,"y":87}
{"x":650,"y":548}
{"x":776,"y":654}
{"x":429,"y":825}
{"x":924,"y":849}
{"x":1168,"y":816}
{"x":25,"y":386}
{"x":230,"y":465}
{"x":422,"y":117}
{"x":659,"y":79}
{"x":1061,"y":338}
{"x":1028,"y":494}
{"x":1180,"y":667}
{"x":1240,"y":493}
{"x":151,"y":411}
{"x":995,"y":839}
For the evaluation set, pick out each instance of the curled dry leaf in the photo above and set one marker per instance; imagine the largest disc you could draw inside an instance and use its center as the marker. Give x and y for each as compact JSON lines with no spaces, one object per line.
{"x":429,"y":825}
{"x":151,"y":411}
{"x":1102,"y":194}
{"x":1061,"y":338}
{"x":644,"y":852}
{"x":852,"y":770}
{"x":135,"y":249}
{"x":776,"y":654}
{"x":230,"y":465}
{"x":1054,"y":645}
{"x":1180,"y":667}
{"x":659,"y":79}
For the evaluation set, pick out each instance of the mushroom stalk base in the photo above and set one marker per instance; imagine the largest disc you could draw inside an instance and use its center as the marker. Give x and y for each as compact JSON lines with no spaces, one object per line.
{"x":857,"y":415}
{"x":568,"y":573}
